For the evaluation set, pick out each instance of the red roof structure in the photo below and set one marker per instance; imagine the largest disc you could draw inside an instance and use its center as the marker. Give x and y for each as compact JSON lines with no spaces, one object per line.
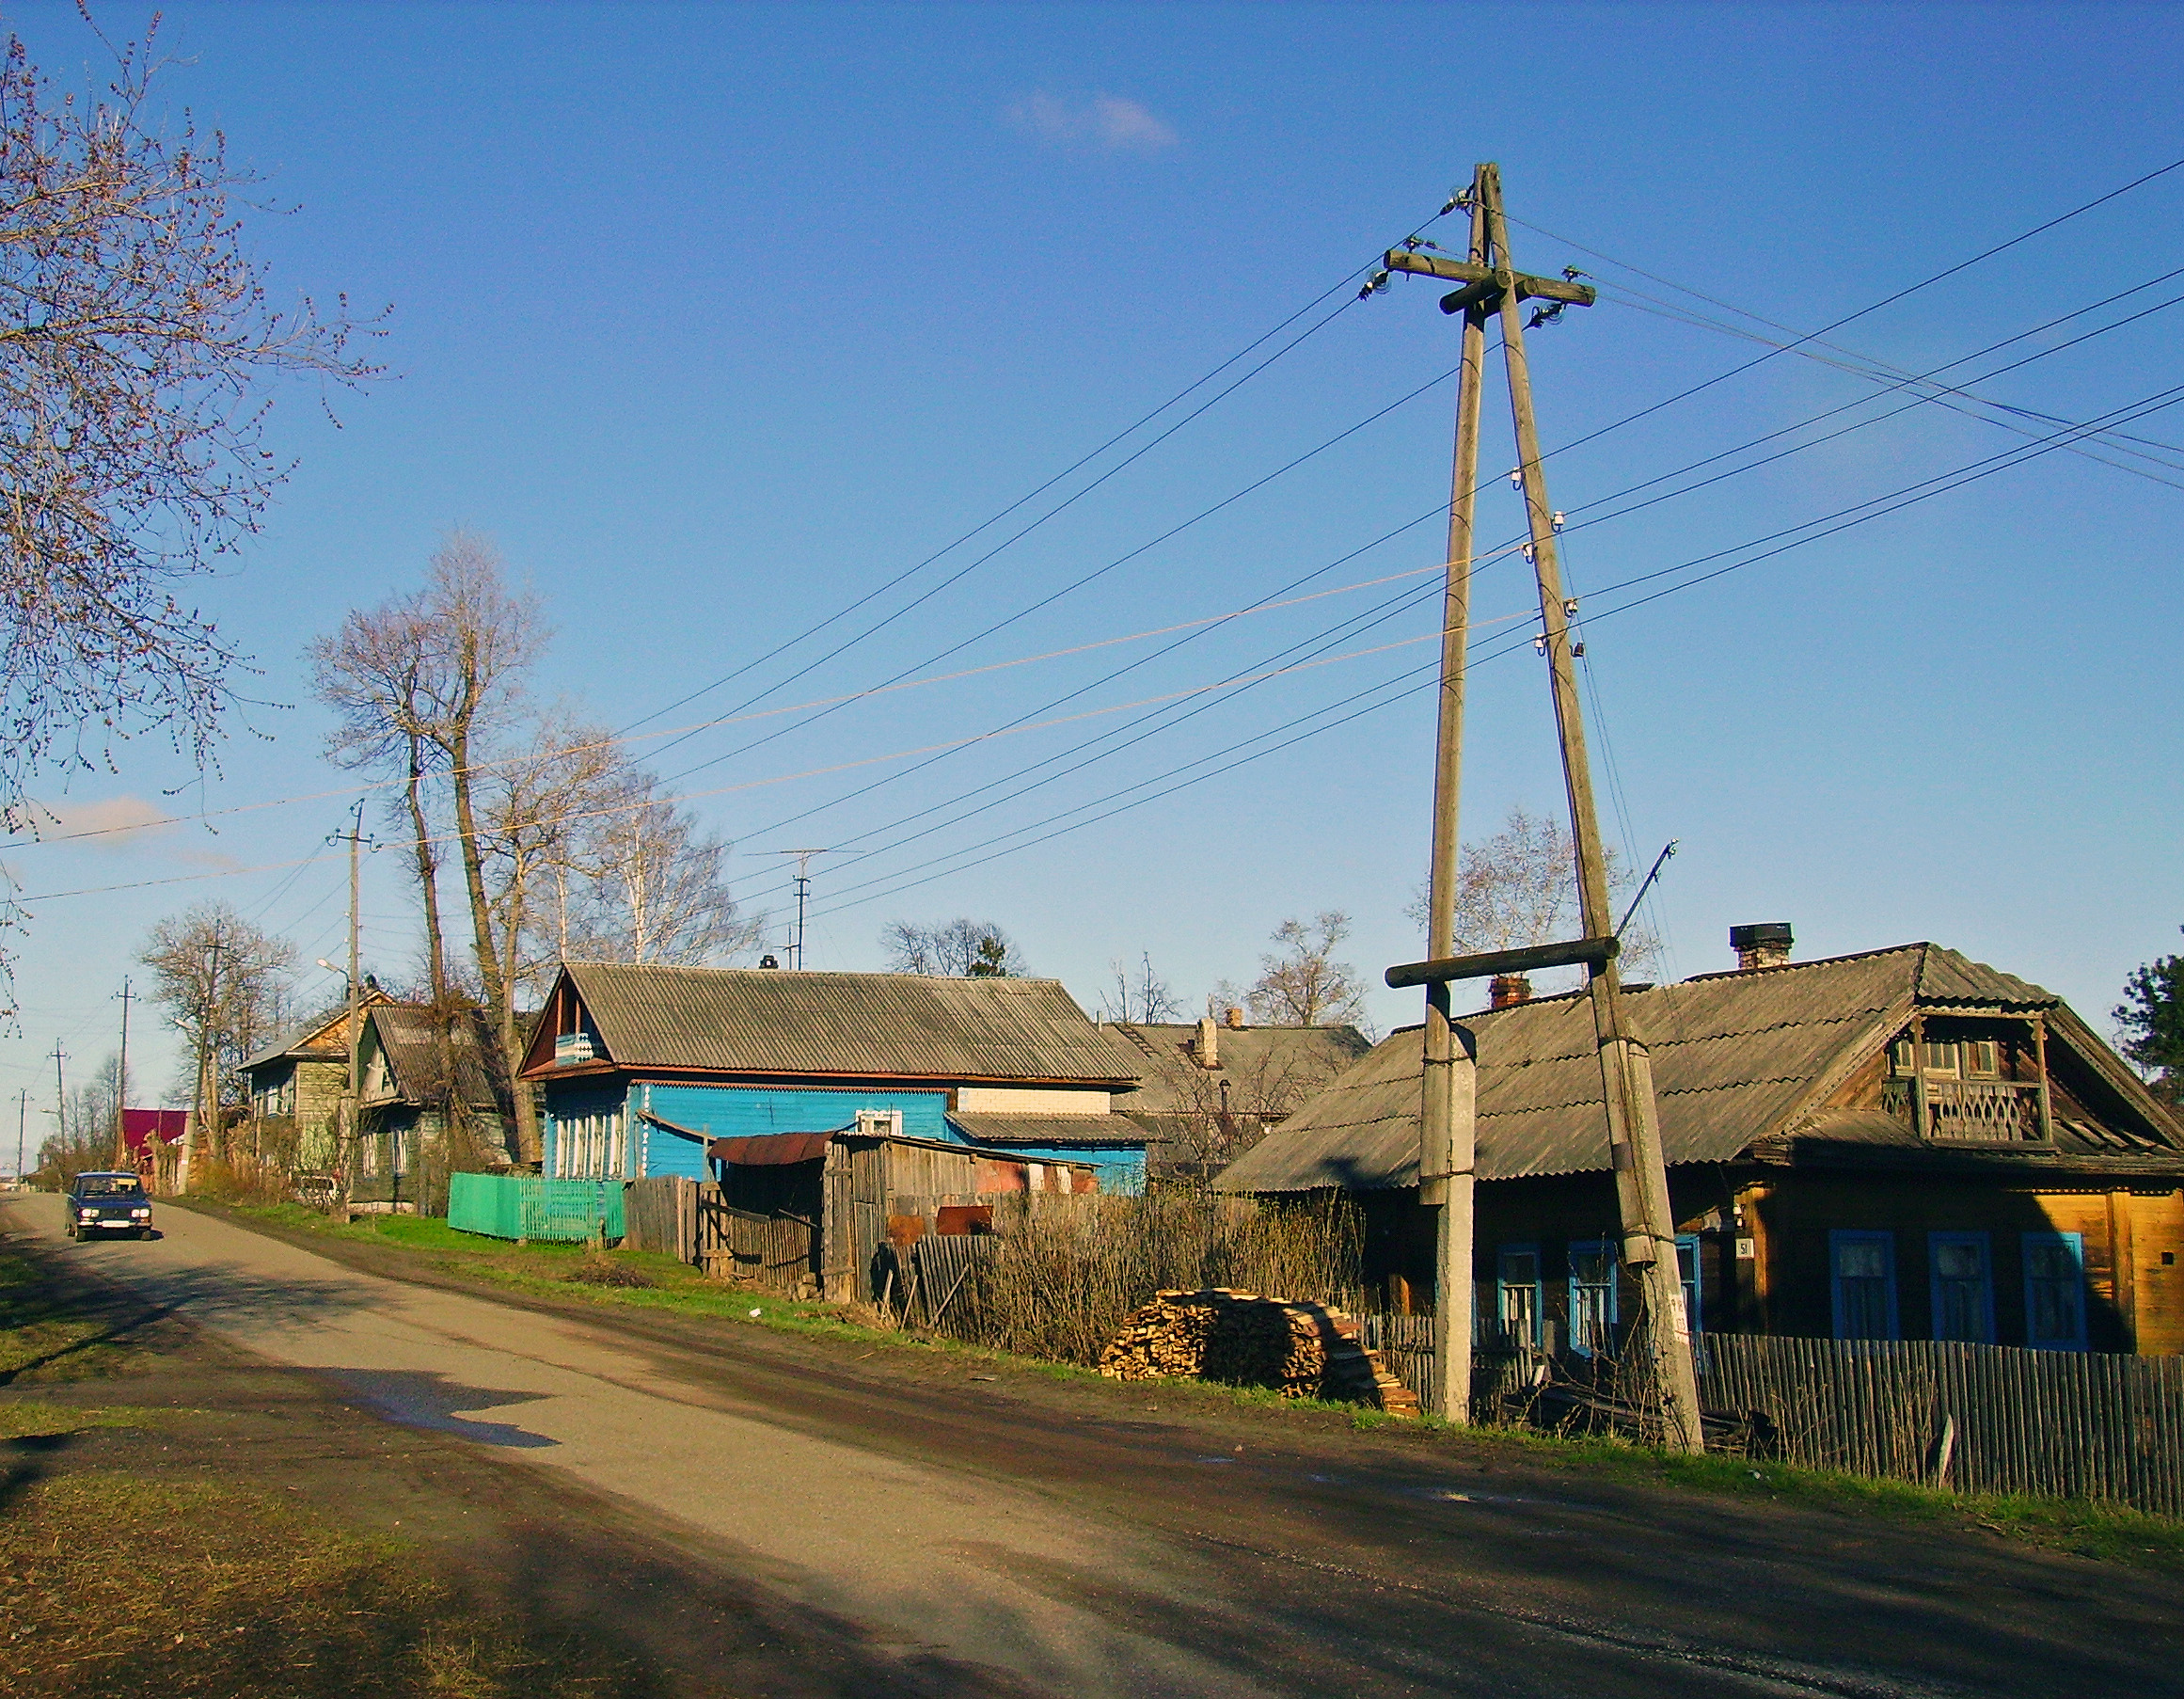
{"x":139,"y":1126}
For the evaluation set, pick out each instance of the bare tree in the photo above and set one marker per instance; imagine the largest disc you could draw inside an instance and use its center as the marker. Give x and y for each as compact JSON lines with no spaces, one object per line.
{"x":137,"y":350}
{"x":1519,"y":887}
{"x":964,"y":948}
{"x":489,"y":637}
{"x":656,"y":886}
{"x":382,"y":672}
{"x":1302,"y":984}
{"x":1145,"y":998}
{"x":423,"y":687}
{"x":227,"y":982}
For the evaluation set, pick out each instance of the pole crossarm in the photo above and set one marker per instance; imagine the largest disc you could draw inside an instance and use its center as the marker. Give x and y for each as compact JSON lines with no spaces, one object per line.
{"x":1592,"y":952}
{"x":1486,"y":282}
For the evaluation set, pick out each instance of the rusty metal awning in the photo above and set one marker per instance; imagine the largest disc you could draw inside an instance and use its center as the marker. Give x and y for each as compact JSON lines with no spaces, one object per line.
{"x":771,"y":1150}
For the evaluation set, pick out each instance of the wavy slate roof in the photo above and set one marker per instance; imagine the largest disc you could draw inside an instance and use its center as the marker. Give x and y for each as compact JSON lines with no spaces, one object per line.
{"x":1733,"y":1055}
{"x":895,"y":1025}
{"x":406,"y":1037}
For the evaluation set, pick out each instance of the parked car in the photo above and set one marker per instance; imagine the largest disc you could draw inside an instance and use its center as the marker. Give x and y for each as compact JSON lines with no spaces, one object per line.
{"x":108,"y":1203}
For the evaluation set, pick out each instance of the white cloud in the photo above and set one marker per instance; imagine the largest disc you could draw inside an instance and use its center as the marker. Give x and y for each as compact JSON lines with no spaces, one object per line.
{"x":110,"y":823}
{"x":1106,"y":122}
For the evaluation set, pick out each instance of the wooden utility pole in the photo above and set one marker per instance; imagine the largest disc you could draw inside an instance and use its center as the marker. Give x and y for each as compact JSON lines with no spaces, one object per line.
{"x":121,"y":1081}
{"x":1492,"y":283}
{"x":352,"y":1100}
{"x":22,"y":1133}
{"x":60,"y":1093}
{"x":1446,"y":1145}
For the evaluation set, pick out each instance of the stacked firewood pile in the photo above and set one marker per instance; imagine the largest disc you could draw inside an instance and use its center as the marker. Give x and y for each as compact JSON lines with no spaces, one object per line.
{"x":1243,"y":1340}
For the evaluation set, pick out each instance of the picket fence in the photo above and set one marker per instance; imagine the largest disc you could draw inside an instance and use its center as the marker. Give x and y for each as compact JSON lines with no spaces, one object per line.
{"x":1981,"y":1419}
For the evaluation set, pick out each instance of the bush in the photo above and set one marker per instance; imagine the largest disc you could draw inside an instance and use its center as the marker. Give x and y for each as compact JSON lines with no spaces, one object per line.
{"x":1065,"y":1274}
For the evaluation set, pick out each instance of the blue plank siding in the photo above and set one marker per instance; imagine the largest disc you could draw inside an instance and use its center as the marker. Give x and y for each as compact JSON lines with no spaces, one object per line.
{"x":570,"y":1105}
{"x":753,"y":1111}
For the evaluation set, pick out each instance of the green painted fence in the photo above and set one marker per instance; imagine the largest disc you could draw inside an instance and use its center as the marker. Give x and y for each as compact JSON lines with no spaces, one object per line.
{"x":510,"y":1206}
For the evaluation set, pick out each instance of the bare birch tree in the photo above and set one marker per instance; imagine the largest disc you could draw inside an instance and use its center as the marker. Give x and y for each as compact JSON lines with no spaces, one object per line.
{"x":1519,"y":887}
{"x":488,"y":637}
{"x":1142,"y":997}
{"x":657,"y":884}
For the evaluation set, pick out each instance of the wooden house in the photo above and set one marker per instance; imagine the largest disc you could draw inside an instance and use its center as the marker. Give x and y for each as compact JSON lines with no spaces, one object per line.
{"x":643,"y":1067}
{"x":1902,"y":1144}
{"x":296,"y":1085}
{"x":410,"y":1087}
{"x":1212,"y":1088}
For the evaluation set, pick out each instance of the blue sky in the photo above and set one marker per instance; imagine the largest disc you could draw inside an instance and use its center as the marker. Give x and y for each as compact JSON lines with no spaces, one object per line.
{"x":718,"y":317}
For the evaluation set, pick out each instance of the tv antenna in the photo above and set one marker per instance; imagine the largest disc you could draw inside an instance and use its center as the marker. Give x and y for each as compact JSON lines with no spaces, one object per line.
{"x":796,"y":948}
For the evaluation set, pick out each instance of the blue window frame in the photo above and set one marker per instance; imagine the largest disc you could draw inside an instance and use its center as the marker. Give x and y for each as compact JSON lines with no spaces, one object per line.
{"x":1687,"y":1271}
{"x":1960,"y":1275}
{"x":1593,"y":1277}
{"x":1516,"y":1292}
{"x":2056,"y":1291}
{"x":1862,"y":1278}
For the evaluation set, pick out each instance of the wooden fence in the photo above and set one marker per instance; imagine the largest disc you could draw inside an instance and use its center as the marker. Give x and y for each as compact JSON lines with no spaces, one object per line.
{"x":770,"y":1252}
{"x":689,"y":1221}
{"x":935,"y":1271}
{"x":1982,"y":1419}
{"x":1978,"y":1417}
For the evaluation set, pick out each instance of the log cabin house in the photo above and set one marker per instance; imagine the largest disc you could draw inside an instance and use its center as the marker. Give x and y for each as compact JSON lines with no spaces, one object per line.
{"x":1902,"y":1144}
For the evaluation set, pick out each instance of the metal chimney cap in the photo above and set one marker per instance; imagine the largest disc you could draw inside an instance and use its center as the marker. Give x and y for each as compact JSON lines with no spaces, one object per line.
{"x":1760,"y":935}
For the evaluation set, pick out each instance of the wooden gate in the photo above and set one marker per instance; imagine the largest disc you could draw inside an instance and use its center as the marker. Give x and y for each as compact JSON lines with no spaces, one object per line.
{"x":766,"y":1252}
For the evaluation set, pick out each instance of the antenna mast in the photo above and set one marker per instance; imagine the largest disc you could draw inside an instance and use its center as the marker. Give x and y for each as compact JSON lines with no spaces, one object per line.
{"x":803,"y":897}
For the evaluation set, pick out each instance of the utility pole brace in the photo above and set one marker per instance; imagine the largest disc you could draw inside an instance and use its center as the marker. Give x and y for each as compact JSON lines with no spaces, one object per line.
{"x":1446,"y":1158}
{"x":1636,"y":1156}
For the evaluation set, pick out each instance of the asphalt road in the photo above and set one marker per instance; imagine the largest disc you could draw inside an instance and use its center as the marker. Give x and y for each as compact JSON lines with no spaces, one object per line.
{"x":1068,"y":1539}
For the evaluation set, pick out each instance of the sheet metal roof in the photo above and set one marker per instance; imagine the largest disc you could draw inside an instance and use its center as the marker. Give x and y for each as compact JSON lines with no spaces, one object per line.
{"x":893,"y":1025}
{"x":1008,"y":1129}
{"x":1733,"y":1056}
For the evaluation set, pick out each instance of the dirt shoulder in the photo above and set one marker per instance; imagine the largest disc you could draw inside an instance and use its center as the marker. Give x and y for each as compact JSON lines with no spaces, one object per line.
{"x":890,"y":1390}
{"x":183,"y":1519}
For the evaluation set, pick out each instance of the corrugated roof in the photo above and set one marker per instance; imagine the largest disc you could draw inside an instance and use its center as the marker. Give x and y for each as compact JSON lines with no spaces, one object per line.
{"x":1263,"y":1059}
{"x":893,"y":1025}
{"x":320,"y":1039}
{"x":408,"y":1040}
{"x":1733,"y":1056}
{"x":1006,"y":1129}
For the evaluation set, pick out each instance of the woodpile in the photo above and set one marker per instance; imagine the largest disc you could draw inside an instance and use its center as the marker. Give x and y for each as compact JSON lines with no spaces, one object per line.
{"x":1243,"y":1340}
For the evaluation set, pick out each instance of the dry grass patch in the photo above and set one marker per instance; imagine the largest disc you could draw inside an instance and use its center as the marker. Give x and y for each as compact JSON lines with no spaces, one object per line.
{"x":117,"y":1587}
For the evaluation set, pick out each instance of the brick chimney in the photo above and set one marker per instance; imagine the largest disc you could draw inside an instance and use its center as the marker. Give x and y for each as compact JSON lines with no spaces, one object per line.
{"x":1234,"y":1022}
{"x":1208,"y":1048}
{"x":1505,"y":991}
{"x":1766,"y":943}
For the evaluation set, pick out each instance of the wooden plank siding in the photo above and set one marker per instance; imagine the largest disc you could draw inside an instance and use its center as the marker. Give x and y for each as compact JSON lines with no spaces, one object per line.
{"x":2135,"y":1298}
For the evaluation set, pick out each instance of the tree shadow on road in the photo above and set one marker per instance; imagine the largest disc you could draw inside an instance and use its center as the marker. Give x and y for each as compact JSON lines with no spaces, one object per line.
{"x":418,"y":1399}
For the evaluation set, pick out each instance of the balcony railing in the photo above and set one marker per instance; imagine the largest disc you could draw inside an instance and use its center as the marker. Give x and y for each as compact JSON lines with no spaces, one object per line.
{"x":1982,"y":1112}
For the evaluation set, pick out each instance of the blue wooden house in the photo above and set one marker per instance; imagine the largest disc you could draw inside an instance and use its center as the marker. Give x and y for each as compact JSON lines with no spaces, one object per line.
{"x":643,"y":1068}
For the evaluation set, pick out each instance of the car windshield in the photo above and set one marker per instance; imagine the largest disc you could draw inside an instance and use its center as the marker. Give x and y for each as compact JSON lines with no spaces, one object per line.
{"x":109,"y":1185}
